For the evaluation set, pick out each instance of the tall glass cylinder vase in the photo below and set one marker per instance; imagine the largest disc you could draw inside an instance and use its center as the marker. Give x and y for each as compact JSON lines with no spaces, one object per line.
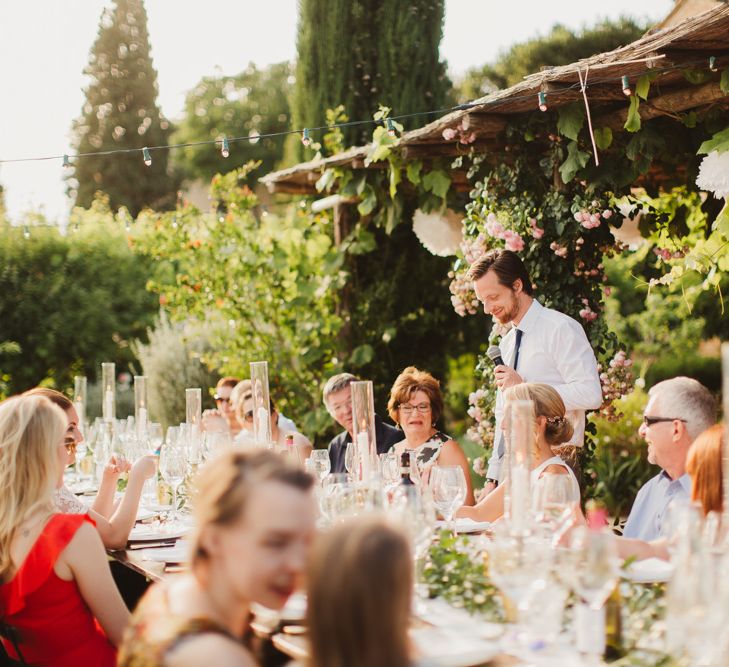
{"x":108,"y":391}
{"x":725,"y":444}
{"x":193,"y":412}
{"x":519,"y":435}
{"x":363,"y":421}
{"x":80,"y":392}
{"x":141,"y":414}
{"x":261,"y":404}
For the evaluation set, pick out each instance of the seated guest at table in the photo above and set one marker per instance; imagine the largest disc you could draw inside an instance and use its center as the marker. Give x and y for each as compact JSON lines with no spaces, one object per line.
{"x":552,"y":429}
{"x":254,"y":516}
{"x":360,"y":587}
{"x":415,"y":405}
{"x":338,"y":402}
{"x":704,"y":467}
{"x":242,"y":398}
{"x":58,"y":603}
{"x":114,"y":520}
{"x":678,"y":410}
{"x":222,"y":418}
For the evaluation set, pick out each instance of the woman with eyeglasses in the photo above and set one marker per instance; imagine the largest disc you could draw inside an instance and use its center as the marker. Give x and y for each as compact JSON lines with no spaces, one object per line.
{"x":59,"y":605}
{"x":222,"y":418}
{"x":281,"y":427}
{"x":415,"y":405}
{"x":114,"y":520}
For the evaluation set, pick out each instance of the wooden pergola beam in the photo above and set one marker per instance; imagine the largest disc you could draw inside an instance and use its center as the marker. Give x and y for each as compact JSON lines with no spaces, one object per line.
{"x":666,"y":105}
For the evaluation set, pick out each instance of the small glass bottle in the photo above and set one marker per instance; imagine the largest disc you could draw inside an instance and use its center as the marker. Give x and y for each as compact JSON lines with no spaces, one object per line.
{"x":405,"y":478}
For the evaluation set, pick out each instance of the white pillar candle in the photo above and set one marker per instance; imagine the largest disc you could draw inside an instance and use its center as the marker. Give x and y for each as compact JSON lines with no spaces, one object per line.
{"x":109,"y":405}
{"x":363,"y":450}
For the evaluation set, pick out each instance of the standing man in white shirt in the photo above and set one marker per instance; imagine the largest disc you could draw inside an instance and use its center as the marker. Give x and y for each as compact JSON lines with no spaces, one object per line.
{"x":543,"y":345}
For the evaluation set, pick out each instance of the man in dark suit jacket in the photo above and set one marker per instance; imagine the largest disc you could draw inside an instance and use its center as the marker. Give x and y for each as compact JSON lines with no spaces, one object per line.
{"x":338,"y":401}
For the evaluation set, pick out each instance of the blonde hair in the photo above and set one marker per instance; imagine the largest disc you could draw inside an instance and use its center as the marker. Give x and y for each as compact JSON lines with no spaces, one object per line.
{"x":547,"y":403}
{"x":360,"y":580}
{"x":31,"y":427}
{"x":224,"y":485}
{"x":704,"y":466}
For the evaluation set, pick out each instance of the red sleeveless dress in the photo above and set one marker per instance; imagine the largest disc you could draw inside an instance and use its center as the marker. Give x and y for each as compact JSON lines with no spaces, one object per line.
{"x":53,"y":624}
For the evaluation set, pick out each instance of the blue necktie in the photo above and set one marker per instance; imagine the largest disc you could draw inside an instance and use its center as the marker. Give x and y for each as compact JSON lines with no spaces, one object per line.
{"x":519,"y":334}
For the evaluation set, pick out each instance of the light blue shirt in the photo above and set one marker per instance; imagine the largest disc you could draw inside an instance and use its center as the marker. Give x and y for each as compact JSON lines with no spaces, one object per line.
{"x":645,"y":521}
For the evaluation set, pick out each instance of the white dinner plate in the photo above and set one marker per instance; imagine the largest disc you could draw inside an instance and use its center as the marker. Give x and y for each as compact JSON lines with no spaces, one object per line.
{"x":180,"y":553}
{"x":649,"y":571}
{"x":146,"y":513}
{"x":452,"y":649}
{"x":466,"y":525}
{"x":147,"y":533}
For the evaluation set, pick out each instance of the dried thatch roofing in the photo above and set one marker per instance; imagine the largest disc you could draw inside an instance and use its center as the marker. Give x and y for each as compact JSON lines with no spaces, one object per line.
{"x":687,"y":45}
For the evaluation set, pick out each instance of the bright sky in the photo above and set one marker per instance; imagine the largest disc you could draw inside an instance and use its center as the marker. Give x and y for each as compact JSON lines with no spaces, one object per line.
{"x":45,"y":44}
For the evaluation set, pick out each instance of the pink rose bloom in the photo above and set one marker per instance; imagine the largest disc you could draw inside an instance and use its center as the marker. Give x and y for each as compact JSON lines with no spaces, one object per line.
{"x":514,"y":242}
{"x":449,"y":134}
{"x":578,"y":216}
{"x":537,"y":233}
{"x":607,"y":213}
{"x":608,"y":291}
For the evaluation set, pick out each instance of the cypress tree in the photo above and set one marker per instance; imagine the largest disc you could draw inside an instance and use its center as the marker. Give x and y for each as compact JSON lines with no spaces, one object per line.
{"x":363,"y":53}
{"x":121,"y":112}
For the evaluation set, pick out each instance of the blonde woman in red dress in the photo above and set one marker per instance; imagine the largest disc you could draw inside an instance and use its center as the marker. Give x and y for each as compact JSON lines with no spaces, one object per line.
{"x":58,"y":603}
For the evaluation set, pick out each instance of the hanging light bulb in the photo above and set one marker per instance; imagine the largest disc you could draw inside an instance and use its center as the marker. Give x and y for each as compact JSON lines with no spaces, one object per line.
{"x":66,"y":161}
{"x":391,"y":128}
{"x":225,"y":150}
{"x":626,"y":87}
{"x":26,"y":232}
{"x":174,"y":222}
{"x":147,"y":157}
{"x":305,"y":138}
{"x":75,"y":227}
{"x":712,"y":63}
{"x":542,"y":97}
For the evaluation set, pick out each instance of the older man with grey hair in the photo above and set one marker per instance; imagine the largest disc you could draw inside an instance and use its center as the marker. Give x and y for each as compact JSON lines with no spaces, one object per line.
{"x":678,"y":410}
{"x":338,"y":401}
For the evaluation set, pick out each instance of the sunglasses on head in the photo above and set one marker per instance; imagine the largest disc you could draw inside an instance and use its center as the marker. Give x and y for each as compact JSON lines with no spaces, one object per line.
{"x":221,"y":399}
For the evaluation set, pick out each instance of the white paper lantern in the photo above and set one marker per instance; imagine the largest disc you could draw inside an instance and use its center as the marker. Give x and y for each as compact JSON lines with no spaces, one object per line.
{"x":440,"y":233}
{"x":714,"y":174}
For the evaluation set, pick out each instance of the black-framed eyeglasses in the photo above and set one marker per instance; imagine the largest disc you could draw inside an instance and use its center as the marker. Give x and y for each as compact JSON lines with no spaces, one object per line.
{"x":221,"y":399}
{"x":422,"y":408}
{"x":649,"y":421}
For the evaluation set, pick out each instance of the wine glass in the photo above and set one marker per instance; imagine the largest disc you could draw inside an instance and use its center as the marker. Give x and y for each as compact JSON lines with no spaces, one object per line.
{"x":448,"y":486}
{"x":554,"y":500}
{"x":350,"y":458}
{"x":320,"y":463}
{"x":173,"y":468}
{"x":598,"y":567}
{"x":154,"y":434}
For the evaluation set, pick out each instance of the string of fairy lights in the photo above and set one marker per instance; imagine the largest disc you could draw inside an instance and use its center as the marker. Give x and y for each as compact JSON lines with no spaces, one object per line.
{"x":390,"y":122}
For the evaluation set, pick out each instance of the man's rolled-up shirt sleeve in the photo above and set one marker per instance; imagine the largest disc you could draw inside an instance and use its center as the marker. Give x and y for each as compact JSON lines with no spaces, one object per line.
{"x":576,"y":363}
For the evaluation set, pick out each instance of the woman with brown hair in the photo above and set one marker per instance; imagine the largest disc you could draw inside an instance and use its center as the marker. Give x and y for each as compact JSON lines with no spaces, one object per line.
{"x":551,"y":429}
{"x":254,"y":519}
{"x":360,"y":585}
{"x":114,"y":520}
{"x":415,"y":405}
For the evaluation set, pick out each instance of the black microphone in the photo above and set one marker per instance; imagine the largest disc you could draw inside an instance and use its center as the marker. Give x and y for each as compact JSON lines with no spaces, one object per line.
{"x":494,"y":353}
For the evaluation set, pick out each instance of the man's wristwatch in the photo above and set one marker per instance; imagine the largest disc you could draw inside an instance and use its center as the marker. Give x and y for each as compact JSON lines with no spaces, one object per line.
{"x":495,"y":482}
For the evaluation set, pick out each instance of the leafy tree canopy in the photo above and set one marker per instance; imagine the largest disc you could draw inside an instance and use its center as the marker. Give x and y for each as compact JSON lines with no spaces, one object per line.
{"x":391,"y":57}
{"x":121,"y":112}
{"x":67,"y":303}
{"x":256,"y":101}
{"x":561,"y":46}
